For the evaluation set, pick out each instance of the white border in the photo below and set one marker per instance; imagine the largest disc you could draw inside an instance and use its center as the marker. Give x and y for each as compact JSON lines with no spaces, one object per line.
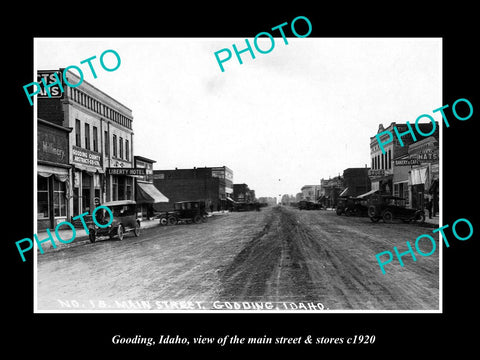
{"x":218,"y":312}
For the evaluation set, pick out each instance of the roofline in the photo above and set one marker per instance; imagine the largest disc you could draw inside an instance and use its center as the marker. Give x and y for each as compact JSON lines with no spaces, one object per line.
{"x":97,"y":89}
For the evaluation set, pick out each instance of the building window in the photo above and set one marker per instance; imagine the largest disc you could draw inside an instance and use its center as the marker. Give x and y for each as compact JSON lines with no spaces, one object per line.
{"x":389,"y":158}
{"x":42,"y":197}
{"x":107,"y":148}
{"x":120,"y":145}
{"x":114,"y":188}
{"x":87,"y":136}
{"x":114,"y":145}
{"x":95,"y":139}
{"x":59,"y":203}
{"x":128,"y":188}
{"x":78,"y":139}
{"x":127,"y":150}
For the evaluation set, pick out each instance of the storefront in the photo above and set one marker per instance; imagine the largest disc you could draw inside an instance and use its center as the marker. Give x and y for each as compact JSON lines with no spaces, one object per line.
{"x":53,"y":174}
{"x":146,"y":194}
{"x":88,"y":180}
{"x":424,"y":174}
{"x":381,"y":180}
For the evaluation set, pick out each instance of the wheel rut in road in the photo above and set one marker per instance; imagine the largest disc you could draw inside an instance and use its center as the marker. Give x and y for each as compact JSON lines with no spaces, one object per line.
{"x":270,"y":267}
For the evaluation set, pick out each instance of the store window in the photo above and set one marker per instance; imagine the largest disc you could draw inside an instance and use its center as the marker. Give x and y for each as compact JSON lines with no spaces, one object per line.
{"x":114,"y":188}
{"x":127,"y":150}
{"x":42,"y":197}
{"x":59,"y":201}
{"x":128,"y":188}
{"x":121,"y":188}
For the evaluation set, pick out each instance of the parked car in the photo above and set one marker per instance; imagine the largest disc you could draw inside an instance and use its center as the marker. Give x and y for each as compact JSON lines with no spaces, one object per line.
{"x":124,"y":220}
{"x":388,"y":208}
{"x":352,"y":206}
{"x":185,"y":211}
{"x":309,"y":205}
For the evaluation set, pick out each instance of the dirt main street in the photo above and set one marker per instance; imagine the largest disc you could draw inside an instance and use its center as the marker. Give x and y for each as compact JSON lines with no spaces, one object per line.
{"x":279,"y":254}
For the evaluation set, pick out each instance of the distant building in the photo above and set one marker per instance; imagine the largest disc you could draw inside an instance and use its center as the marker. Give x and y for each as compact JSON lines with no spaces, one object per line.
{"x":214,"y":185}
{"x":270,"y":201}
{"x":330,"y":190}
{"x":298,"y":197}
{"x":310,"y":192}
{"x":242,"y":193}
{"x":355,"y":181}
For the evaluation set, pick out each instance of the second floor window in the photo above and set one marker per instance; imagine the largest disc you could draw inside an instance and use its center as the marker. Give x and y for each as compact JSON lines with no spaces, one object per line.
{"x":78,"y":139}
{"x":87,"y":136}
{"x":95,"y":139}
{"x":115,"y":145}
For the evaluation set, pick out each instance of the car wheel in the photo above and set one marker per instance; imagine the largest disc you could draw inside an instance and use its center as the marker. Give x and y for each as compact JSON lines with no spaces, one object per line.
{"x":197,"y":219}
{"x":371,"y":211}
{"x":120,"y":232}
{"x":172,"y":220}
{"x":163,"y":221}
{"x":348,"y":212}
{"x":339,"y":211}
{"x":92,"y":236}
{"x":420,"y":217}
{"x":136,"y":231}
{"x":387,"y":216}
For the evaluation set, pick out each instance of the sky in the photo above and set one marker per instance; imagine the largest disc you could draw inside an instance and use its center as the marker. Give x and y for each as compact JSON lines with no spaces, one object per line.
{"x":285,"y":119}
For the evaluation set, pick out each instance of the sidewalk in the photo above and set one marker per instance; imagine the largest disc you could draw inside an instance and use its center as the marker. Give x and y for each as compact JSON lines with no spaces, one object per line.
{"x":433,"y":221}
{"x":81,"y":236}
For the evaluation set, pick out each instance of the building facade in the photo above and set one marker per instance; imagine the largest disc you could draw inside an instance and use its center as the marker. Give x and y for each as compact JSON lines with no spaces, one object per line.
{"x":410,"y":171}
{"x":210,"y":184}
{"x":100,"y":141}
{"x":381,"y":172}
{"x":54,"y":174}
{"x":310,"y":192}
{"x":243,"y":194}
{"x":330,"y":190}
{"x":356,"y":181}
{"x":146,"y":194}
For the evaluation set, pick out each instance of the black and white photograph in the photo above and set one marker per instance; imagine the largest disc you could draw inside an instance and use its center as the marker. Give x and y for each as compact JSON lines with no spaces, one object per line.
{"x":230,"y":181}
{"x":253,"y":184}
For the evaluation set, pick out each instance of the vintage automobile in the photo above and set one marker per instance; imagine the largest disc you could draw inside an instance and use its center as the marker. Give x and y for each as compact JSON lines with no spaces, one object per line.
{"x":185,"y":211}
{"x":352,"y":206}
{"x":308,"y":205}
{"x":124,"y":220}
{"x":388,"y":208}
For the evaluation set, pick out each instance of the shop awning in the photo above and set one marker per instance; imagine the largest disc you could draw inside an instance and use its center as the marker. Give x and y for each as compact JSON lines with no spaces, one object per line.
{"x":147,"y":193}
{"x":230,"y":199}
{"x":90,"y":169}
{"x":344,"y":192}
{"x":367,"y":194}
{"x":419,"y":176}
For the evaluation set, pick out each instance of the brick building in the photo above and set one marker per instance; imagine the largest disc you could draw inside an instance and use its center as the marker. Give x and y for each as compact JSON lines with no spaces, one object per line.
{"x":214,"y":185}
{"x":242,"y":193}
{"x":355,"y":181}
{"x":101,"y":139}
